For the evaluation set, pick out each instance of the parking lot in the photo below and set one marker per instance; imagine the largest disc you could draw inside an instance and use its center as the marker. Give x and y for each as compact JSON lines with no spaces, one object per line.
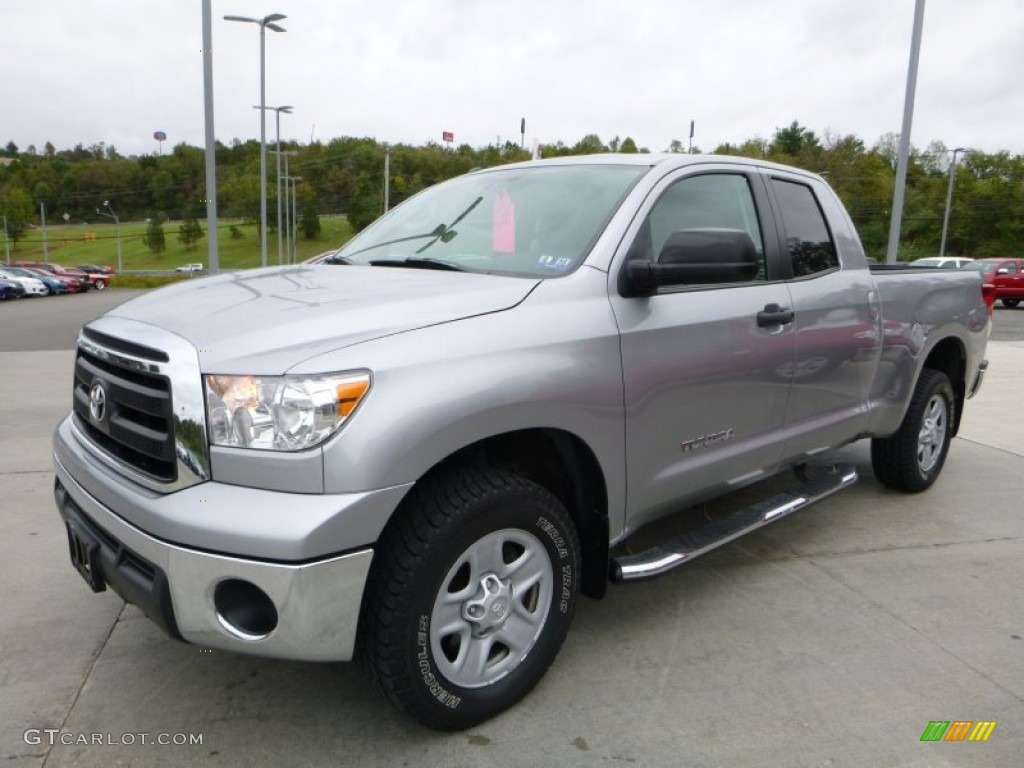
{"x":831,"y":639}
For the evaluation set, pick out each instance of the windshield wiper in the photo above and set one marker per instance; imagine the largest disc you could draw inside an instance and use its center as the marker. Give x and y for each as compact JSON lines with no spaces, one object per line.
{"x":443,"y":232}
{"x":447,"y":233}
{"x":375,"y":246}
{"x":419,"y":263}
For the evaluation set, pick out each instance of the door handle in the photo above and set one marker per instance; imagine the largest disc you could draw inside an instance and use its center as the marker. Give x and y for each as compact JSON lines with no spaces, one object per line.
{"x":773,"y":314}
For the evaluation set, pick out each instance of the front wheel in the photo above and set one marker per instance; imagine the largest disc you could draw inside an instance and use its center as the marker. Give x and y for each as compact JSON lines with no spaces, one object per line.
{"x":1010,"y":303}
{"x":912,"y":458}
{"x":470,"y":597}
{"x":100,"y":285}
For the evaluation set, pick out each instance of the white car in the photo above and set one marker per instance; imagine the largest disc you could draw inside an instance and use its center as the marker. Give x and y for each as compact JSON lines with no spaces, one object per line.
{"x":190,"y":268}
{"x":942,"y":262}
{"x":32,"y":286}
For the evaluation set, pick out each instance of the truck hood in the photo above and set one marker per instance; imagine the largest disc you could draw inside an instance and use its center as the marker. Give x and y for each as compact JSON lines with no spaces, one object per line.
{"x":266,"y":321}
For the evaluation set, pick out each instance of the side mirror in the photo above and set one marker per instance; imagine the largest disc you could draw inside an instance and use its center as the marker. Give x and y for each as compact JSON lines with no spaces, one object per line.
{"x":1002,"y":271}
{"x":695,"y":257}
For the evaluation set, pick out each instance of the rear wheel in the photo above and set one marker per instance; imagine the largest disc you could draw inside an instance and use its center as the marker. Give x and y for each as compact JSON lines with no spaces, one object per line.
{"x":912,"y":458}
{"x":470,"y":597}
{"x":1010,"y":303}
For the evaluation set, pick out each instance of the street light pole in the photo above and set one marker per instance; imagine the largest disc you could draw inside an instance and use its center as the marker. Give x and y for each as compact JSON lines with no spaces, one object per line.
{"x":277,"y":180}
{"x":949,"y":200}
{"x":295,"y":219}
{"x":210,"y":151}
{"x":903,"y":153}
{"x":117,"y":225}
{"x":264,"y":23}
{"x":285,"y":154}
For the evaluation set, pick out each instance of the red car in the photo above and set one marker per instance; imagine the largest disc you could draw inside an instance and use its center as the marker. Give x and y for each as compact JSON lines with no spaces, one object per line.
{"x":96,"y":269}
{"x":1005,"y":275}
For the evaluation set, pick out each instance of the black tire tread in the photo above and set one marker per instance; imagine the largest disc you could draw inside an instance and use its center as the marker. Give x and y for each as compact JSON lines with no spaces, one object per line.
{"x":894,"y":458}
{"x":432,"y":511}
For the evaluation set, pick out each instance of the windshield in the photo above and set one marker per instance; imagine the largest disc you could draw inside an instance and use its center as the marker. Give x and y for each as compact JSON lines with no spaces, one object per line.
{"x":530,"y":221}
{"x":983,"y":266}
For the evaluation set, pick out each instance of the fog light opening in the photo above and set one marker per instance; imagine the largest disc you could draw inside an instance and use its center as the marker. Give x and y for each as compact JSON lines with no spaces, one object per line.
{"x":244,"y":610}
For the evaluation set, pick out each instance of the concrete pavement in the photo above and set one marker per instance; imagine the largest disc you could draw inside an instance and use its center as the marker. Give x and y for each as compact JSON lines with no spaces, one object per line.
{"x":830,"y":639}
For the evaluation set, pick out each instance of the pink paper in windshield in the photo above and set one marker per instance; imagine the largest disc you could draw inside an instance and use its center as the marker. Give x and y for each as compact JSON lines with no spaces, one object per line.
{"x":504,"y":224}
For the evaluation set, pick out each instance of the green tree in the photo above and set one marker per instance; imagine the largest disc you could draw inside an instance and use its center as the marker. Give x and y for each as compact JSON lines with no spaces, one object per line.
{"x":154,"y":238}
{"x":309,"y":219}
{"x":792,"y":139}
{"x":190,"y":233}
{"x":16,"y":206}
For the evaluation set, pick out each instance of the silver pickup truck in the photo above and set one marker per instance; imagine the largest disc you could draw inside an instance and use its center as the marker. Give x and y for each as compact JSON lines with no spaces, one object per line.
{"x":421,"y":453}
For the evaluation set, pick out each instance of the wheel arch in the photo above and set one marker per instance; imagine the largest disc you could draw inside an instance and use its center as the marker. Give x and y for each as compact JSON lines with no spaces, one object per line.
{"x":565,"y":465}
{"x":950,"y":357}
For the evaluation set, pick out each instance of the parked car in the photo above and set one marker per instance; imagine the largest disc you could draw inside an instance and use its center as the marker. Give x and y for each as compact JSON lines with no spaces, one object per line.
{"x":78,"y":281}
{"x":189,"y":268}
{"x":9,"y":289}
{"x":96,"y":269}
{"x":98,"y":280}
{"x":942,"y":262}
{"x":424,"y":454}
{"x":33,"y":286}
{"x":1006,"y":276}
{"x":54,"y":284}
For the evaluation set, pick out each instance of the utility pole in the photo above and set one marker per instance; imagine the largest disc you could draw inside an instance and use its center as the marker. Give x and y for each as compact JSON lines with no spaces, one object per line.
{"x":904,"y":149}
{"x":42,"y":216}
{"x":7,"y":245}
{"x":387,"y":176}
{"x":949,"y":201}
{"x":211,"y":157}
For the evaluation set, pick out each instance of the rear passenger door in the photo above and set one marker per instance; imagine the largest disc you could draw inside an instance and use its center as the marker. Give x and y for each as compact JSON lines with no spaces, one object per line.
{"x":836,"y":333}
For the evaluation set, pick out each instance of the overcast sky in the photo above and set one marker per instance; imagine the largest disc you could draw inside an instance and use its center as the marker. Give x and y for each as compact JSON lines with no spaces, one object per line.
{"x":115,"y":71}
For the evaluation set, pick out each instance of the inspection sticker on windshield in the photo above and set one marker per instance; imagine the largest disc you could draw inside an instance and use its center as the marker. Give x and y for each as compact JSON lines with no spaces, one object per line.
{"x":560,"y":263}
{"x":504,"y":224}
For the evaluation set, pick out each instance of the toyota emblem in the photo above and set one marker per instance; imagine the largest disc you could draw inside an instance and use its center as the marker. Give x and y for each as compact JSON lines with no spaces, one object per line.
{"x":97,"y":402}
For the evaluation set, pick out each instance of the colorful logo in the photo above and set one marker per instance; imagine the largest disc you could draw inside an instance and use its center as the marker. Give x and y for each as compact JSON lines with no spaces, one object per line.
{"x":958,"y":730}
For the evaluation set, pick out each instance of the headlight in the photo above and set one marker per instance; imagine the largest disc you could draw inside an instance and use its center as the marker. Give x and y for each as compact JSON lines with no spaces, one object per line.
{"x":280,"y":413}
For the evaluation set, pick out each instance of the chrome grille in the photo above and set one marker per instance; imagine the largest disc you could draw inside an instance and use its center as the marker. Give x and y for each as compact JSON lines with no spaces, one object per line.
{"x":136,"y":421}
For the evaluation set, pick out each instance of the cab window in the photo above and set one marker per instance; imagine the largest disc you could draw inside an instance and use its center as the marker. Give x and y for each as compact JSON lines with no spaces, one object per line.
{"x":807,"y":235}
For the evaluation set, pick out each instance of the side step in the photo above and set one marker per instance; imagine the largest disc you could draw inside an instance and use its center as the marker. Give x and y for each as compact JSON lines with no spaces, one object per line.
{"x":681,"y":549}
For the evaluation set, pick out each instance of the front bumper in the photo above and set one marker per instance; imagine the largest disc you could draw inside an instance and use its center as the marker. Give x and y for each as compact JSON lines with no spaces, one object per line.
{"x":210,"y":599}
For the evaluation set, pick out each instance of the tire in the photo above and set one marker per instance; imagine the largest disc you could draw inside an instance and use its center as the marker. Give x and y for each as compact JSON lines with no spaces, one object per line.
{"x":100,"y":285}
{"x":471,"y":593}
{"x":912,"y":458}
{"x":1010,"y":303}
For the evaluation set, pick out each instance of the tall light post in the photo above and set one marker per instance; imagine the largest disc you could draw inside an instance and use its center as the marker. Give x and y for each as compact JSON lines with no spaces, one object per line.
{"x":285,"y":154}
{"x":294,"y":237}
{"x":117,"y":224}
{"x":295,"y":219}
{"x":287,"y":111}
{"x":949,"y":200}
{"x":903,"y":153}
{"x":210,"y":152}
{"x":264,"y":23}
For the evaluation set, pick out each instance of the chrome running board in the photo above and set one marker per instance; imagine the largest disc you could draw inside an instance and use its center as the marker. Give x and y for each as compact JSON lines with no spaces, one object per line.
{"x":683,"y":548}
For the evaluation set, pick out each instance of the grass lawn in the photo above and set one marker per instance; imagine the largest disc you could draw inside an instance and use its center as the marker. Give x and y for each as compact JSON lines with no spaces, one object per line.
{"x":72,"y":244}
